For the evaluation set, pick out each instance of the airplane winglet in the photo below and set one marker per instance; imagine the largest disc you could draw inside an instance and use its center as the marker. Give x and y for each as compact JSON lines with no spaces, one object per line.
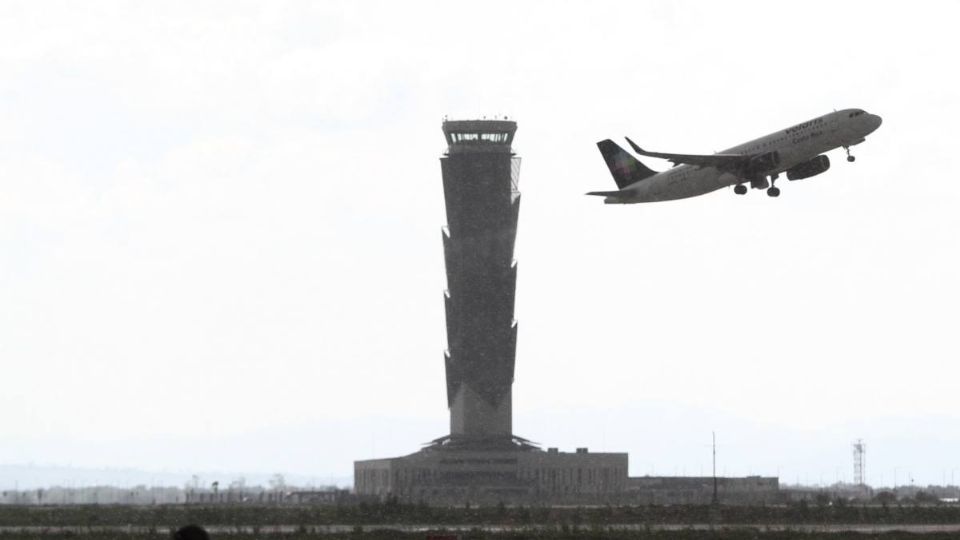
{"x":636,"y":148}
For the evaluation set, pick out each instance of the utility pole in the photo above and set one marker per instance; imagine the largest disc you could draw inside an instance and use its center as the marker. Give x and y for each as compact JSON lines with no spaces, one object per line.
{"x":714,"y":433}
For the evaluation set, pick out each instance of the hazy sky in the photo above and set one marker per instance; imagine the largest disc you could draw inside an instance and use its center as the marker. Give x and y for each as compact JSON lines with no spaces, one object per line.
{"x":220,"y":242}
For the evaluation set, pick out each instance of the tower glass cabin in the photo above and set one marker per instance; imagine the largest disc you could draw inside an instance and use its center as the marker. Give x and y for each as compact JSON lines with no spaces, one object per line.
{"x":480,"y":177}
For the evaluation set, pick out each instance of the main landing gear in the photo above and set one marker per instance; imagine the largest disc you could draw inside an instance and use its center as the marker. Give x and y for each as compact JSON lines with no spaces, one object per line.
{"x":760,"y":183}
{"x":773,"y":191}
{"x":850,"y":158}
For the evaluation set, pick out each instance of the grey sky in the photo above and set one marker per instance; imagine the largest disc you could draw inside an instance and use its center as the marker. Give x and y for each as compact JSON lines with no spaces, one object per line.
{"x":220,"y":233}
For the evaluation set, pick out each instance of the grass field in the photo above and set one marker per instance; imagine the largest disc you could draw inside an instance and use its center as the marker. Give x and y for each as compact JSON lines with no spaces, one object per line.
{"x":395,"y":520}
{"x":551,"y":534}
{"x":164,"y":516}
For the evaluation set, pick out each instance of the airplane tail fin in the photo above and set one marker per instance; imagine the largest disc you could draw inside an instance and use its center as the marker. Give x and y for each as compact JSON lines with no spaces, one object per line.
{"x":625,"y":168}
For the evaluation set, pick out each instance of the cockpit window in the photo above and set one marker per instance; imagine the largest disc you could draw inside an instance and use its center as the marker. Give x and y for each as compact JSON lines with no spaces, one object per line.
{"x":855,"y":113}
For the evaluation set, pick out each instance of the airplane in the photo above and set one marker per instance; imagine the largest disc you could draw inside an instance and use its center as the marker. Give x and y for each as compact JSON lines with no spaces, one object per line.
{"x":798,"y":151}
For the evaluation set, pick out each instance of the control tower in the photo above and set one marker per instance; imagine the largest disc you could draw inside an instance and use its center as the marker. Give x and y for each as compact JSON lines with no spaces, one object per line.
{"x":480,"y":176}
{"x":481,"y":460}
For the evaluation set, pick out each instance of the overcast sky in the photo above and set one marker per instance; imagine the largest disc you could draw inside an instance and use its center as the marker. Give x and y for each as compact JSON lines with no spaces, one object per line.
{"x":220,"y":242}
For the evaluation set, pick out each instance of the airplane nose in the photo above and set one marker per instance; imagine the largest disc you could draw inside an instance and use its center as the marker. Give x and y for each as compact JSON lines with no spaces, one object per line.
{"x":876,"y":120}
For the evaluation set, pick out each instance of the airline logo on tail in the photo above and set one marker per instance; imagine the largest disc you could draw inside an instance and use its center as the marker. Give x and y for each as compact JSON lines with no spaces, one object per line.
{"x":622,"y":166}
{"x":625,"y":168}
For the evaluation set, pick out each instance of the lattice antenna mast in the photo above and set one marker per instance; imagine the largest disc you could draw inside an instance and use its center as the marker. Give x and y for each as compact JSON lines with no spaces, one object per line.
{"x":859,"y":463}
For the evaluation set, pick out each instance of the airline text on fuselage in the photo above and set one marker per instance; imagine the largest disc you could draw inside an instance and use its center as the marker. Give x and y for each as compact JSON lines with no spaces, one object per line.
{"x":804,"y":125}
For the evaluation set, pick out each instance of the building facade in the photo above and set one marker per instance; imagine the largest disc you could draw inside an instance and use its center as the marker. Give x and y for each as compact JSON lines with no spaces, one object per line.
{"x":492,"y":476}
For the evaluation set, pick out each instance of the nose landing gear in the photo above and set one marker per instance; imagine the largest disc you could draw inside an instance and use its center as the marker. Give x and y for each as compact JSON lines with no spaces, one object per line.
{"x":850,"y":158}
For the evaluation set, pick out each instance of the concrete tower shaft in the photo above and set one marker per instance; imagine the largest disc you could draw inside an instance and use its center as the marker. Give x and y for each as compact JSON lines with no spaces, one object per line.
{"x":480,"y":175}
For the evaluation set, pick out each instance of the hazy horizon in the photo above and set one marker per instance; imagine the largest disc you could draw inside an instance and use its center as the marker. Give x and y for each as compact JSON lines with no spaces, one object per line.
{"x":677,"y":443}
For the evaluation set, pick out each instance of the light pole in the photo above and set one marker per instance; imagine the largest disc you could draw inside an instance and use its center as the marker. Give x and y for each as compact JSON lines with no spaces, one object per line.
{"x":714,"y":467}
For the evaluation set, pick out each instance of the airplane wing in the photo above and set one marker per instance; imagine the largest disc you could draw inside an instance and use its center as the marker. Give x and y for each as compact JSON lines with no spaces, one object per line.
{"x":720,"y":161}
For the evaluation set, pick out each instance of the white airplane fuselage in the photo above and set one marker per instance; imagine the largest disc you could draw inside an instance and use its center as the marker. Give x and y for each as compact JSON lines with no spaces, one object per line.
{"x":795,"y":145}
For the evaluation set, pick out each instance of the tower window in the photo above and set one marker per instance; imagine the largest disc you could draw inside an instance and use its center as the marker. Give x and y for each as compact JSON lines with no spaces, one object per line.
{"x":496,"y":138}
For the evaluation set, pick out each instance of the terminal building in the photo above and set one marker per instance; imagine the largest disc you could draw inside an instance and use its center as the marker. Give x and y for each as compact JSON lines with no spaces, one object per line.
{"x":481,"y":460}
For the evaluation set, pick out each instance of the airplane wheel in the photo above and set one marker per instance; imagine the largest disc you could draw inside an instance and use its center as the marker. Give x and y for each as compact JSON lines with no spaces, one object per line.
{"x":740,"y":189}
{"x":851,"y":159}
{"x":773,"y":192}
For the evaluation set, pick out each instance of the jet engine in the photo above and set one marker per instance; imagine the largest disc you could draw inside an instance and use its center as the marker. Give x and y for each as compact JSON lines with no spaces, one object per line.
{"x":810,"y":168}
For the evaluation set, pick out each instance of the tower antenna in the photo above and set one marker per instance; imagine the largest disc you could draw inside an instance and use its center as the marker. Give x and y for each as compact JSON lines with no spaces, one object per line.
{"x":859,"y":463}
